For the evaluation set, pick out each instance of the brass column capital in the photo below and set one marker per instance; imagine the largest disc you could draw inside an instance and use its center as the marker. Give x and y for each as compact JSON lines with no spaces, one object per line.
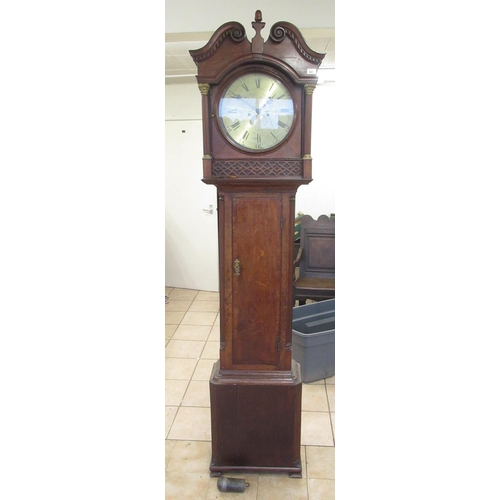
{"x":309,"y":88}
{"x":204,"y":88}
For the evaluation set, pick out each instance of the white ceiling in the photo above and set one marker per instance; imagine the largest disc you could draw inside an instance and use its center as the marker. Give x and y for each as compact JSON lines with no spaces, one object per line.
{"x":189,"y":25}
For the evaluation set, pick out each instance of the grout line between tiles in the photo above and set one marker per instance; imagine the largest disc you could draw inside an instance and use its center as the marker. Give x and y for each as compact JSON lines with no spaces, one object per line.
{"x":330,"y":414}
{"x":171,"y":425}
{"x":307,"y":475}
{"x":176,"y":413}
{"x":190,"y":440}
{"x":208,"y":487}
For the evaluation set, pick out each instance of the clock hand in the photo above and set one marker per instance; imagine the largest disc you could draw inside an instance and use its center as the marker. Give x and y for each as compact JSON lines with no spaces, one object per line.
{"x":240,"y":99}
{"x":267,"y":102}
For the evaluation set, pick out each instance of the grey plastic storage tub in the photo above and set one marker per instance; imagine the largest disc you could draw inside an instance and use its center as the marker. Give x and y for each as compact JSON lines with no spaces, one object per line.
{"x":313,"y":339}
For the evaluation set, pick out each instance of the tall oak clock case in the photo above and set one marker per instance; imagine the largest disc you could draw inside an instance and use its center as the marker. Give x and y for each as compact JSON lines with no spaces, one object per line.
{"x":257,"y":104}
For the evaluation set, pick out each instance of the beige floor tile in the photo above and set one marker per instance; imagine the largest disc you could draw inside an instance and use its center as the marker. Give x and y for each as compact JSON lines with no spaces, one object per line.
{"x":316,"y":382}
{"x":214,"y":334}
{"x":314,"y":398}
{"x":316,"y":429}
{"x":330,"y":380}
{"x":169,"y":331}
{"x":184,"y":349}
{"x":192,"y":332}
{"x":205,"y":306}
{"x":279,"y":487}
{"x":178,"y":305}
{"x":173,"y":318}
{"x":199,"y":318}
{"x":203,"y":369}
{"x":191,"y":456}
{"x":217,"y":319}
{"x":211,"y":351}
{"x":168,"y":289}
{"x":182,"y":294}
{"x":321,"y":489}
{"x":174,"y":391}
{"x":207,"y":296}
{"x":170,"y":412}
{"x":186,"y":485}
{"x":330,"y":390}
{"x":250,"y":493}
{"x":320,"y":462}
{"x":179,"y":368}
{"x":197,"y":394}
{"x":169,"y":448}
{"x":191,"y":424}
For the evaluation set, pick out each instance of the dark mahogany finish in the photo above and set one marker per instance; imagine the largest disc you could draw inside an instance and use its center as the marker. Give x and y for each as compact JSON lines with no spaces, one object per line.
{"x":255,"y":388}
{"x":256,"y":421}
{"x":316,"y":260}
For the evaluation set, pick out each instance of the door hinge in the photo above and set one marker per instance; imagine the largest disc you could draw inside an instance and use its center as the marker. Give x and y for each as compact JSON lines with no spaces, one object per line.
{"x":281,"y":223}
{"x":278,"y":345}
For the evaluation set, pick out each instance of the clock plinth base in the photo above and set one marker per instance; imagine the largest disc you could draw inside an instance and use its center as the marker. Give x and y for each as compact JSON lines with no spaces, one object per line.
{"x":256,"y":419}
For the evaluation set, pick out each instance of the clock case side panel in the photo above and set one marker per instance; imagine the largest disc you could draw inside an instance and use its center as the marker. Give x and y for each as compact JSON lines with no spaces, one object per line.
{"x":224,"y":211}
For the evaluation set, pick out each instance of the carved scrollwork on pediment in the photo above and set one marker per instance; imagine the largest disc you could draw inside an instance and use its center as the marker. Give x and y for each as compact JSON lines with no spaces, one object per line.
{"x":234,"y":30}
{"x":283,"y":29}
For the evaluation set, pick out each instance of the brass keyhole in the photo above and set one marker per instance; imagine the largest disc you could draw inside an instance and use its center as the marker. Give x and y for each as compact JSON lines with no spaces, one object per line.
{"x":237,"y":269}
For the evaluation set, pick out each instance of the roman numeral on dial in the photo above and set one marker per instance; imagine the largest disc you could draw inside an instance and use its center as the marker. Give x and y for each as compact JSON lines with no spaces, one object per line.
{"x":234,"y":126}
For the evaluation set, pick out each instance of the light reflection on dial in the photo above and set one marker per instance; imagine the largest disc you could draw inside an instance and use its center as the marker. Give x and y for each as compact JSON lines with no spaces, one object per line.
{"x":256,"y":111}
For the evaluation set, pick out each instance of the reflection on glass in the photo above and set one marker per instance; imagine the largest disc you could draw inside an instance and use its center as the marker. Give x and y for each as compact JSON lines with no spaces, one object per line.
{"x":256,"y":111}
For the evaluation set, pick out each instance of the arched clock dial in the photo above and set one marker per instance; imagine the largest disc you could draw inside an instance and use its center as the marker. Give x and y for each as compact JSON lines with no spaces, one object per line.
{"x":256,"y":112}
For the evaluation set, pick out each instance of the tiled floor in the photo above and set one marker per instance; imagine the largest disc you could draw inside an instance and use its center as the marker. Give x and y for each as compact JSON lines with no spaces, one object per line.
{"x":191,"y":348}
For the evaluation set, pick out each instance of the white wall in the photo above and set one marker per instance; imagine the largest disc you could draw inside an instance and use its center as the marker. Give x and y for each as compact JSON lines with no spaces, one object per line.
{"x":191,"y":246}
{"x":318,"y":197}
{"x":182,"y":102}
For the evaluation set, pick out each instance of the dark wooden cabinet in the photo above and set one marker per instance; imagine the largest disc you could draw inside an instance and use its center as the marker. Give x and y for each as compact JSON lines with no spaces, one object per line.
{"x":256,"y":421}
{"x":256,"y":307}
{"x":256,"y":101}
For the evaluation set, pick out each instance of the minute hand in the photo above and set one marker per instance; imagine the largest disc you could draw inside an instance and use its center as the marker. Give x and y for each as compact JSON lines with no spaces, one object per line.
{"x":267,"y":102}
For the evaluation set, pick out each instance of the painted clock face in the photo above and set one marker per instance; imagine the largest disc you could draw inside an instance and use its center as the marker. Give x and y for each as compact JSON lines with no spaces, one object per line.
{"x":256,"y":112}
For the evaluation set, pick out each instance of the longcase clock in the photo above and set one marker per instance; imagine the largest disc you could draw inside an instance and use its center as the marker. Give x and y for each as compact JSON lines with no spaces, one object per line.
{"x":257,"y":104}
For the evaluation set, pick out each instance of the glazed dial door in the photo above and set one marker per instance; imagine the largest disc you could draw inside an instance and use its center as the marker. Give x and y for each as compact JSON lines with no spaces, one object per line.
{"x":256,"y":112}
